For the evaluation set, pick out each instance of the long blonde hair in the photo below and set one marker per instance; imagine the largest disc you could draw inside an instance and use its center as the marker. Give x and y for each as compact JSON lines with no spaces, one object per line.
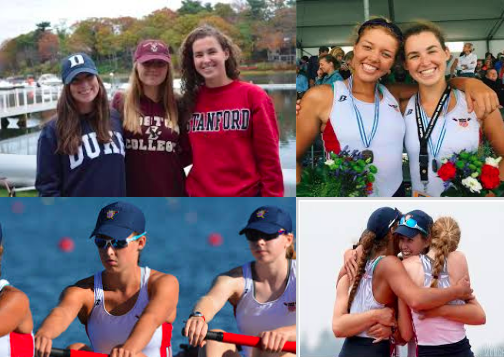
{"x":445,"y":238}
{"x":291,"y":250}
{"x":132,"y":111}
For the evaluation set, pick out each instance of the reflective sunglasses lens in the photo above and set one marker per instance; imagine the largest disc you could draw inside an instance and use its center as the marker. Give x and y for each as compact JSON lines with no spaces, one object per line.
{"x":100,"y":243}
{"x":119,"y":243}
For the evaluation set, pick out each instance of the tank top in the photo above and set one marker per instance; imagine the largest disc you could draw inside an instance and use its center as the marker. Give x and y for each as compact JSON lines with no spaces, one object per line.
{"x":437,"y":330}
{"x":364,"y":299}
{"x":105,"y":331}
{"x":16,"y":344}
{"x":387,"y":145}
{"x":462,"y":132}
{"x":253,"y":317}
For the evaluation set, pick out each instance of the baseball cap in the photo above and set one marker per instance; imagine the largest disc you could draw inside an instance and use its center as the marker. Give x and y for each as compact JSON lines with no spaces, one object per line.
{"x":422,"y":220}
{"x":118,"y":220}
{"x":148,"y":50}
{"x":76,"y":64}
{"x":269,"y":220}
{"x":381,"y":220}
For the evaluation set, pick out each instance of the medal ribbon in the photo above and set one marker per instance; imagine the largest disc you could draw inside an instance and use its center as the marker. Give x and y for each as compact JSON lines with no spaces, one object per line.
{"x":364,"y":138}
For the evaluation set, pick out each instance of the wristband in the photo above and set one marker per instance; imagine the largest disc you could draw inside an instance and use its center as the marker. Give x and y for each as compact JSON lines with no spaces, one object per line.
{"x":197,"y":314}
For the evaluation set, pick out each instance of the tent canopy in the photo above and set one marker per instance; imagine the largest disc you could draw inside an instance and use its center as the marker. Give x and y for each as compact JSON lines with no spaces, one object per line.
{"x":331,"y":22}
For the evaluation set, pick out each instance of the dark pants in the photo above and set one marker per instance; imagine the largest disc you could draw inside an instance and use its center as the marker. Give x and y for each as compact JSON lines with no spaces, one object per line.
{"x":364,"y":347}
{"x":457,"y":349}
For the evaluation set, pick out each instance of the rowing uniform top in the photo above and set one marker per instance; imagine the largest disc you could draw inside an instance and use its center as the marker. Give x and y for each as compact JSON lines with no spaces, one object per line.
{"x":16,"y":344}
{"x":253,"y":317}
{"x":387,"y":146}
{"x":462,"y":132}
{"x":437,"y":330}
{"x":105,"y":331}
{"x":364,"y":299}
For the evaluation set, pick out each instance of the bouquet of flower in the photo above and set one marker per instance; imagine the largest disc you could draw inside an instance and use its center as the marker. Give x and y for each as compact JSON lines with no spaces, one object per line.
{"x":467,"y":175}
{"x":346,"y":174}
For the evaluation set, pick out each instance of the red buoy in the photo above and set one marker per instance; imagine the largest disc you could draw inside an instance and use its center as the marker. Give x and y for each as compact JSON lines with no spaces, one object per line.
{"x":215,"y":239}
{"x":66,"y":244}
{"x":18,"y":207}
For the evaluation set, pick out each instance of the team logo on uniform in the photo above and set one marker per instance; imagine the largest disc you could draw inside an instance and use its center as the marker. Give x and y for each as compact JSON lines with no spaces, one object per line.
{"x":291,"y":306}
{"x":97,"y":302}
{"x":463,"y":122}
{"x":153,"y":132}
{"x":111,"y":214}
{"x":394,"y":106}
{"x":261,"y":213}
{"x":409,"y":111}
{"x":342,"y":98}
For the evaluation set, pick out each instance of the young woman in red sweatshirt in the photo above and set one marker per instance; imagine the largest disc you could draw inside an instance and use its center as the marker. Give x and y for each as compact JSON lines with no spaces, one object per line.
{"x":233,"y":129}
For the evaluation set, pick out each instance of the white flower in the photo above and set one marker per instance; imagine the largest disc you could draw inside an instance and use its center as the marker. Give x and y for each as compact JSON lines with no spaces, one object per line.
{"x":472,"y":184}
{"x":493,"y":162}
{"x":329,"y":162}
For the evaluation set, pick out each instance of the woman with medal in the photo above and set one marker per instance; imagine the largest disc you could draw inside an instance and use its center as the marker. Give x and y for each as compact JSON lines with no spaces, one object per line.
{"x":364,"y":115}
{"x":437,"y":121}
{"x":360,"y":113}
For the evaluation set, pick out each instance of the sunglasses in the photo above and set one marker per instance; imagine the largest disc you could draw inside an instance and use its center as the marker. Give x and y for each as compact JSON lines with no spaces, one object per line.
{"x":116,"y":243}
{"x":412,"y":223}
{"x":254,"y":236}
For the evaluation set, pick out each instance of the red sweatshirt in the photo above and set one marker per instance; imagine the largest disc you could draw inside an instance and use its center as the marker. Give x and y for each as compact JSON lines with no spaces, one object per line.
{"x":235,"y":143}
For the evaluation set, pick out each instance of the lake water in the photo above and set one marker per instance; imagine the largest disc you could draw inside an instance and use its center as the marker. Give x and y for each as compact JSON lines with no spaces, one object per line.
{"x":177,"y":230}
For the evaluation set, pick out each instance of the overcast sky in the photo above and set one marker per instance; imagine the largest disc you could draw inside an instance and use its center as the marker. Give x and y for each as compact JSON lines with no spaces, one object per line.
{"x":327,"y":228}
{"x":20,"y":16}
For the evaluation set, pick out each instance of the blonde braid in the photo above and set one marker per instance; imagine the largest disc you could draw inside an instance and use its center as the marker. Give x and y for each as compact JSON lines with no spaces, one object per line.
{"x":445,"y":239}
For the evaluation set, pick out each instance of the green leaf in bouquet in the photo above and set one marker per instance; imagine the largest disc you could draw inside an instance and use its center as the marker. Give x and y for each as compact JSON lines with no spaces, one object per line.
{"x":464,"y":155}
{"x":460,"y":164}
{"x":373,"y":169}
{"x":472,"y":167}
{"x":371,"y":177}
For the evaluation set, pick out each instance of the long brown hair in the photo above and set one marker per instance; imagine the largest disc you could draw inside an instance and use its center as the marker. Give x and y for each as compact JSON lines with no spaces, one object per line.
{"x":370,"y":246}
{"x":68,"y":122}
{"x":132,"y":111}
{"x":445,"y":236}
{"x":191,"y":79}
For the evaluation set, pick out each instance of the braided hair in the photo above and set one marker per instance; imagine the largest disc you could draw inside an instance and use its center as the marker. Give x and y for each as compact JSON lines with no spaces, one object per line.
{"x":445,"y":236}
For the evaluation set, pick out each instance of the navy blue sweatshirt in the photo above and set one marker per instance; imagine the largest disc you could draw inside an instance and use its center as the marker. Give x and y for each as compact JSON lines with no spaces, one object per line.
{"x":97,"y":170}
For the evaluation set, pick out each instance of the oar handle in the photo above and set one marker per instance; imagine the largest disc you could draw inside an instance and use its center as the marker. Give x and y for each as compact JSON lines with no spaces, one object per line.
{"x":58,"y":352}
{"x":251,"y":341}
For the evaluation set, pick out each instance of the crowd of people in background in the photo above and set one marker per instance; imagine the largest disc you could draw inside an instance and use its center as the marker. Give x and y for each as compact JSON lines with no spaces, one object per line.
{"x":333,"y":64}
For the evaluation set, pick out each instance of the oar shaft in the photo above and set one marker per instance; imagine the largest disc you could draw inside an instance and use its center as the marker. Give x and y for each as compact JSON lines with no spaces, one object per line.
{"x":57,"y":352}
{"x":252,"y":341}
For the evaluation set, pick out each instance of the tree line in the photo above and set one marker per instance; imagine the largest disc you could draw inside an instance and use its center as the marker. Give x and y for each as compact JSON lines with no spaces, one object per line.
{"x":255,"y":25}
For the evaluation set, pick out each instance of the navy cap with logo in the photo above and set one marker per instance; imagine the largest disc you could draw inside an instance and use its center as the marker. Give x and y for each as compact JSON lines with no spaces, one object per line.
{"x":381,"y":220}
{"x":75,"y":64}
{"x":269,"y":220}
{"x":414,"y":222}
{"x":119,"y":220}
